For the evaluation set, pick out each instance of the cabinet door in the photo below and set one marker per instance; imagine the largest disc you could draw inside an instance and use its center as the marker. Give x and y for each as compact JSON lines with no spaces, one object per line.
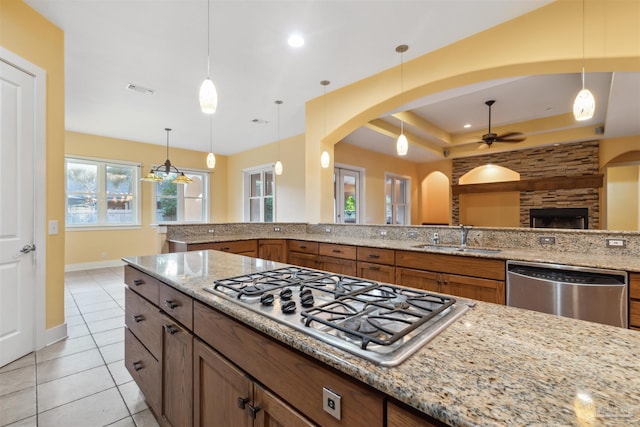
{"x":338,"y":265}
{"x":419,"y":279}
{"x":273,"y":250}
{"x":472,"y":287}
{"x":273,"y":412}
{"x":378,"y":272}
{"x":304,"y":260}
{"x":144,"y":369}
{"x":177,"y":374}
{"x":220,"y":390}
{"x":400,"y":417}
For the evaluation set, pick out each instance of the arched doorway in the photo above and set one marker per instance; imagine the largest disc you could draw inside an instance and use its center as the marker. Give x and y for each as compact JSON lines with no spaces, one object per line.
{"x":436,"y":199}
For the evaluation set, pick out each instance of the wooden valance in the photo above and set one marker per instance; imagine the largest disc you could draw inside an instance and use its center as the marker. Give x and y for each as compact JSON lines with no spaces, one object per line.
{"x":534,"y":184}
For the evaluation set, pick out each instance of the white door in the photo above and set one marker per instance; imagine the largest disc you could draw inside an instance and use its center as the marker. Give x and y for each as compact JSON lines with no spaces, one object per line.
{"x":17,"y":262}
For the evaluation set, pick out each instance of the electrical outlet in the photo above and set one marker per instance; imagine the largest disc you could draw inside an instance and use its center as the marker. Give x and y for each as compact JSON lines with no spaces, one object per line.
{"x":383,"y":232}
{"x":412,"y":235}
{"x":331,"y":403}
{"x":277,"y":229}
{"x":547,"y":240}
{"x":616,"y":243}
{"x":211,"y":230}
{"x":327,"y":230}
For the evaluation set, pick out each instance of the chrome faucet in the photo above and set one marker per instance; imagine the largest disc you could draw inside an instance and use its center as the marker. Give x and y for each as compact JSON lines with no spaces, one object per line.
{"x":464,"y":231}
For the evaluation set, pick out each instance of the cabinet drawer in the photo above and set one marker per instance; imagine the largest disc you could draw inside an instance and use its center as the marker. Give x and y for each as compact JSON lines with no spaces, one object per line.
{"x":457,"y":264}
{"x":236,"y":247}
{"x":634,"y":313}
{"x":143,"y":320}
{"x":634,"y":285}
{"x":142,"y":283}
{"x":144,"y":369}
{"x":340,"y":251}
{"x":303,"y":246}
{"x":177,"y":305}
{"x":377,"y":255}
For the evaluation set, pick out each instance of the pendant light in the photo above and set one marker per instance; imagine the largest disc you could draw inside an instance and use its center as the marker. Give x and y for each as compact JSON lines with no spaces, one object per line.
{"x":325,"y":159}
{"x":278,"y":166}
{"x":402,"y":145}
{"x":584,"y":106}
{"x":208,"y":93}
{"x":166,"y":168}
{"x":211,"y":158}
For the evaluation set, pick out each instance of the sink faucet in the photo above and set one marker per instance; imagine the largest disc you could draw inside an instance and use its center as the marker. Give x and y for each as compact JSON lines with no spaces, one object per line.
{"x":464,"y":231}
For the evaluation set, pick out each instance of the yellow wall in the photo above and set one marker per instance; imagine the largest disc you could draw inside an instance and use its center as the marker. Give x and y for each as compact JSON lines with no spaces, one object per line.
{"x":29,"y":35}
{"x":87,"y":246}
{"x":545,"y":41}
{"x":623,"y":192}
{"x":376,"y":165}
{"x":490,"y":209}
{"x":289,"y":185}
{"x":436,"y":201}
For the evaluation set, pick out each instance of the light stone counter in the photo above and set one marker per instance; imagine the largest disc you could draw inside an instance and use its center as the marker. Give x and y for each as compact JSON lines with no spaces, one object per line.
{"x":496,"y":366}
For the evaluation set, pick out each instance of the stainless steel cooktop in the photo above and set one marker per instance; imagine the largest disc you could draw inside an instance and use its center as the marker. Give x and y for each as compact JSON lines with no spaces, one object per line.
{"x":380,"y":322}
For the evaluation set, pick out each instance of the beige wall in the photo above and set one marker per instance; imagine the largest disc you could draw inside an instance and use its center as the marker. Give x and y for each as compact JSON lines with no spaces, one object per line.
{"x":88,"y":246}
{"x":30,"y":36}
{"x":289,"y":185}
{"x":623,"y":192}
{"x":376,"y":165}
{"x":435,"y":200}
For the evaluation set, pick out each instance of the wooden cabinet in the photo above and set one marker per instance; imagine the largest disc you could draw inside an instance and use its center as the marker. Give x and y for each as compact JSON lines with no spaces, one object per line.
{"x":159,"y":346}
{"x":225,"y":396}
{"x":340,"y":259}
{"x":634,"y":300}
{"x":303,"y":254}
{"x":470,"y":277}
{"x":376,"y":264}
{"x":399,"y":416}
{"x":240,"y":247}
{"x":272,"y":249}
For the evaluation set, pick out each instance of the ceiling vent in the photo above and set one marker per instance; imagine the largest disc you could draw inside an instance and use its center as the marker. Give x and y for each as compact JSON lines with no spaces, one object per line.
{"x":139,"y":89}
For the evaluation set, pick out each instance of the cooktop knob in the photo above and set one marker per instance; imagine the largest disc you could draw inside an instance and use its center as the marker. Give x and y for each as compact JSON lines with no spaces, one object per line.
{"x":286,"y":294}
{"x":288,"y":307}
{"x":306,"y":300}
{"x":266,"y":299}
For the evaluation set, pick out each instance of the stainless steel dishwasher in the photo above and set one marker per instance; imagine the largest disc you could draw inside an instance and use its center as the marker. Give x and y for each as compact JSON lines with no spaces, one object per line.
{"x":592,"y":294}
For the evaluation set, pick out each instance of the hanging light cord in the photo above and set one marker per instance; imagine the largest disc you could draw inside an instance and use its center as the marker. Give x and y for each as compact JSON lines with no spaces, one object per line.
{"x":208,"y":38}
{"x":583,"y":24}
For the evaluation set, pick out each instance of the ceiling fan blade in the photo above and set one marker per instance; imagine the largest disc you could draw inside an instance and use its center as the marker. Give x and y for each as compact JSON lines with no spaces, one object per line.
{"x":509,"y":134}
{"x":510,"y":139}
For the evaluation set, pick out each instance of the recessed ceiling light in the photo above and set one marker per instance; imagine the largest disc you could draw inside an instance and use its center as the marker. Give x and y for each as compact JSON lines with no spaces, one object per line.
{"x":468,"y":125}
{"x":295,"y":40}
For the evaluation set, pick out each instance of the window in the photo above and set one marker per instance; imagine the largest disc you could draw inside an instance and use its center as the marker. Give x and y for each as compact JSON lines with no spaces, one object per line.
{"x":101,"y":193}
{"x":397,"y":199}
{"x":259,"y":188}
{"x":182,"y":203}
{"x":346,"y":200}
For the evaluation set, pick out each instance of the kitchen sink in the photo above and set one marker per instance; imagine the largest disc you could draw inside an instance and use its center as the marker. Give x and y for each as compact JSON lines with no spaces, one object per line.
{"x":454,"y":249}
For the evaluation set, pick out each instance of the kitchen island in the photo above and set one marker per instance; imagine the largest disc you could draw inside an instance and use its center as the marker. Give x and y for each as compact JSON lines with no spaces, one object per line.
{"x":495,"y":366}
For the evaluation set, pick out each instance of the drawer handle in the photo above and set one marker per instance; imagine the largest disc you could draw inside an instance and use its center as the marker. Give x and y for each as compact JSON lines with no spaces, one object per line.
{"x":253,"y":411}
{"x":138,"y":282}
{"x":171,"y":329}
{"x":303,"y":247}
{"x":336,"y":251}
{"x":137,"y":366}
{"x":374,"y":268}
{"x":170,"y":304}
{"x":138,"y":318}
{"x":226,"y":248}
{"x":242,"y":401}
{"x":374,"y":256}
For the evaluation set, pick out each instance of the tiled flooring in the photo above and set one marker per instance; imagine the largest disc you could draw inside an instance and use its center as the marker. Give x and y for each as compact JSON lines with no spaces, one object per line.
{"x":80,"y":381}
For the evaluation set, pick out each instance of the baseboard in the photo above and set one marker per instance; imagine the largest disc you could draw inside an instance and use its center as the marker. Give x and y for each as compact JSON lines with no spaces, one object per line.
{"x":93,"y":265}
{"x":53,"y":335}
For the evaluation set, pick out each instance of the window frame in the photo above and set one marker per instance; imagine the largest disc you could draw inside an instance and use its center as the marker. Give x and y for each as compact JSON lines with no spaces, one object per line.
{"x":101,"y":193}
{"x":393,"y":204}
{"x":181,"y":198}
{"x":246,"y":192}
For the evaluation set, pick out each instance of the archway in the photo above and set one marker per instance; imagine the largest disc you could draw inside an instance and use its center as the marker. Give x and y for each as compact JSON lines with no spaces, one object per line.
{"x":436,"y":199}
{"x":621,"y":198}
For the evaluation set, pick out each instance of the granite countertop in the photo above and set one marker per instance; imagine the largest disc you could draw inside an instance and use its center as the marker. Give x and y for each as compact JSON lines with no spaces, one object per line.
{"x":495,"y":366}
{"x":577,"y":258}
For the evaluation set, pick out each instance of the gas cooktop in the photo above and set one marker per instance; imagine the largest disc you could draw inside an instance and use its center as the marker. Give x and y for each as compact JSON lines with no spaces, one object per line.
{"x":380,"y":322}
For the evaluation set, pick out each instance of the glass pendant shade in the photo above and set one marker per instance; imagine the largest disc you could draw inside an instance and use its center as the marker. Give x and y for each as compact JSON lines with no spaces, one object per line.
{"x":151,"y":177}
{"x":324,"y":159}
{"x":208,"y":97}
{"x":402,"y":146}
{"x":584,"y":105}
{"x":278,"y":168}
{"x":211,"y":161}
{"x":182,"y":179}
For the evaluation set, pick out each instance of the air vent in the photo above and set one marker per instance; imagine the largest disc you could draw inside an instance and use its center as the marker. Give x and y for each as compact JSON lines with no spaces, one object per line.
{"x":259,"y":122}
{"x":139,"y":89}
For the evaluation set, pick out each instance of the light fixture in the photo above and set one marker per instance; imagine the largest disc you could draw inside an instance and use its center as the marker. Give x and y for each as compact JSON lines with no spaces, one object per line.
{"x":208,"y":93}
{"x":585,"y":104}
{"x":402,"y":145}
{"x":167,"y":168}
{"x":295,"y":40}
{"x":278,"y":166}
{"x":211,"y":158}
{"x":325,"y":159}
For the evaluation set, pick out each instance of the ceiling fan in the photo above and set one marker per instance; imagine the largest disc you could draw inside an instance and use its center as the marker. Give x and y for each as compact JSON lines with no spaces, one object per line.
{"x":490,"y":137}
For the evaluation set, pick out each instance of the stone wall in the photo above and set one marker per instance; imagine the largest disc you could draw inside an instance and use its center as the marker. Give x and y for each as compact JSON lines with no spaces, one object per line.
{"x":551,"y":161}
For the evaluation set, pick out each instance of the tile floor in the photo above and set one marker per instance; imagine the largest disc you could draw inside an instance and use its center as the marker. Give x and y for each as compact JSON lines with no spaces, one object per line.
{"x":80,"y":381}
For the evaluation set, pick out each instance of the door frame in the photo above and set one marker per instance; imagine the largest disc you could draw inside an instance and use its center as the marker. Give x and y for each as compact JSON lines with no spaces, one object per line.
{"x":361,"y":189}
{"x":41,"y":337}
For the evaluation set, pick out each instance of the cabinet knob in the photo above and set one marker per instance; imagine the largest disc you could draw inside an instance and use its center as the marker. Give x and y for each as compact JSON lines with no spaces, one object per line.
{"x":137,"y":366}
{"x":138,"y":282}
{"x":170,"y":304}
{"x":171,"y":329}
{"x":253,"y":410}
{"x":138,"y":318}
{"x":242,"y":401}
